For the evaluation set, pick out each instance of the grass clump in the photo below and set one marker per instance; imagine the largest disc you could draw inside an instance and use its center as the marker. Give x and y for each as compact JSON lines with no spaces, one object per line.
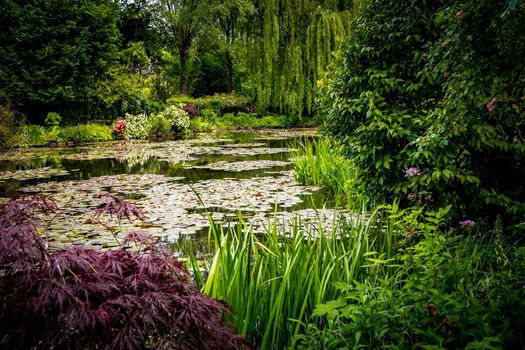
{"x":273,"y":282}
{"x":320,"y":162}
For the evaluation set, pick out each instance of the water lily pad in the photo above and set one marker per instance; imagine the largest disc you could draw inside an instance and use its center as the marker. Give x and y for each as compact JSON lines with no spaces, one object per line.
{"x":311,"y":221}
{"x":172,"y":208}
{"x":242,"y":166}
{"x":40,"y":173}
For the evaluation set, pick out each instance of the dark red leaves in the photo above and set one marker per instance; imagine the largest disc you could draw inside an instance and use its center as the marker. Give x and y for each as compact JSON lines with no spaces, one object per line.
{"x":80,"y":298}
{"x":120,"y":208}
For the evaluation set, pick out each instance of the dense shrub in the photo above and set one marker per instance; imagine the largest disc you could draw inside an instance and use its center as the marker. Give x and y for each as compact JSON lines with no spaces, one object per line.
{"x":86,"y":133}
{"x":29,"y":135}
{"x":419,"y":88}
{"x":119,"y":126}
{"x":220,"y":103}
{"x":191,"y":110}
{"x":177,"y":117}
{"x":160,"y":127}
{"x":200,"y":124}
{"x":52,"y":119}
{"x":79,"y":298}
{"x":7,"y":124}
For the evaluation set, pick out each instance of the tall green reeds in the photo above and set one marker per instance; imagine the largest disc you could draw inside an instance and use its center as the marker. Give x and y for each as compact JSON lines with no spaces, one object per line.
{"x":273,"y":282}
{"x":320,"y":162}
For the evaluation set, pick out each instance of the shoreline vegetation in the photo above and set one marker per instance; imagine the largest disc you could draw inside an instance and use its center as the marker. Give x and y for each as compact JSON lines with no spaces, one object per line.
{"x":175,"y":122}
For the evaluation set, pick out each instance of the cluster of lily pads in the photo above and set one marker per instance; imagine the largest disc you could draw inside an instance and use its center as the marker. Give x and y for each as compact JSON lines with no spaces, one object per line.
{"x":172,"y":207}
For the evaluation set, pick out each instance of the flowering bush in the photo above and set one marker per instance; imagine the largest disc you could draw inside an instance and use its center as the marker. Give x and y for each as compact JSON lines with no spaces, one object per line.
{"x":439,"y":95}
{"x":137,"y":126}
{"x":178,"y":118}
{"x":119,"y":127}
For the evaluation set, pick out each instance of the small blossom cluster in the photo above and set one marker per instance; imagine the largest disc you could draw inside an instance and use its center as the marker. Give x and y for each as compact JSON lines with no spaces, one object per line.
{"x":119,"y":127}
{"x":467,"y":223}
{"x":413,"y":171}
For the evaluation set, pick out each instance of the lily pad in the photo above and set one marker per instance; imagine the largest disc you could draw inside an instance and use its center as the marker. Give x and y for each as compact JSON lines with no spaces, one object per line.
{"x":172,"y":208}
{"x":40,"y":173}
{"x":242,"y":166}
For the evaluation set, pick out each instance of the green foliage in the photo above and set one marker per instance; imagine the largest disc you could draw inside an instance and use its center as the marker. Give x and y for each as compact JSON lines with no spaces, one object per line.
{"x":290,"y":47}
{"x":429,"y":110}
{"x":208,"y":114}
{"x":441,"y":290}
{"x":120,"y":91}
{"x":7,"y":124}
{"x":244,"y":120}
{"x":86,"y":133}
{"x":273,"y":284}
{"x":220,"y":103}
{"x":201,"y":124}
{"x":208,"y":76}
{"x":29,"y":135}
{"x":320,"y":162}
{"x":160,"y":127}
{"x":52,"y":119}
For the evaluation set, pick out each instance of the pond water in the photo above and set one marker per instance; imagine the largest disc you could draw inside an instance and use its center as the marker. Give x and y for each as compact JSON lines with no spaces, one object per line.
{"x":177,"y":184}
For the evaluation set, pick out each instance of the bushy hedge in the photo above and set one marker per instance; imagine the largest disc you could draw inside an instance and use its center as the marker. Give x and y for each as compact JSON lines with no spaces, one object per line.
{"x":86,"y":133}
{"x":428,"y":100}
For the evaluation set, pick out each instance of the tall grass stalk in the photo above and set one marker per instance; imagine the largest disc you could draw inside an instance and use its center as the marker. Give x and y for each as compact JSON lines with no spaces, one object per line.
{"x":320,"y":162}
{"x":273,"y":281}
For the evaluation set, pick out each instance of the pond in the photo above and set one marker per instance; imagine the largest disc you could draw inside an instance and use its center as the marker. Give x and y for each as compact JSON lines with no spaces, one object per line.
{"x":177,"y":184}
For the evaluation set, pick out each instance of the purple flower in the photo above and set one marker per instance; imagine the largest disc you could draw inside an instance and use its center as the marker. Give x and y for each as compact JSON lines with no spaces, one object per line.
{"x":191,"y":110}
{"x":413,"y":171}
{"x":467,"y":223}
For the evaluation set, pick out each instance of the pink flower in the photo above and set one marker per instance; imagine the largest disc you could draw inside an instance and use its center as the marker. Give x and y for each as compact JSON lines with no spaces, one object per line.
{"x":120,"y":125}
{"x":491,"y":105}
{"x":413,"y":171}
{"x":445,"y":75}
{"x":458,"y":14}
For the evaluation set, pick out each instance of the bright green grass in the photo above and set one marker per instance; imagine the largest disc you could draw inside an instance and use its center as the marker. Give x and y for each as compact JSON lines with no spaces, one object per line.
{"x":273,"y":283}
{"x":320,"y":162}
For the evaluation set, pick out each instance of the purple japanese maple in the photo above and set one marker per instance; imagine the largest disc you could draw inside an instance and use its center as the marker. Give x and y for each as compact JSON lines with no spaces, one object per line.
{"x":81,"y":298}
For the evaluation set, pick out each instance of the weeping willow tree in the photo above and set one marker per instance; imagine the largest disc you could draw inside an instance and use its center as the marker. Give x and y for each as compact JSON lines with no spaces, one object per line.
{"x":290,"y":46}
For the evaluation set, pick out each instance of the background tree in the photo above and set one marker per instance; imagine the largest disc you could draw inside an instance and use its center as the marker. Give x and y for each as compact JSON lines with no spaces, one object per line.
{"x":290,"y":45}
{"x":231,"y":18}
{"x":181,"y":21}
{"x":52,"y":51}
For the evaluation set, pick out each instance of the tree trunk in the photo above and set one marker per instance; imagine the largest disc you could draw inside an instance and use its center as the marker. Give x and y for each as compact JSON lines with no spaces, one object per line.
{"x":229,"y":70}
{"x":184,"y":84}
